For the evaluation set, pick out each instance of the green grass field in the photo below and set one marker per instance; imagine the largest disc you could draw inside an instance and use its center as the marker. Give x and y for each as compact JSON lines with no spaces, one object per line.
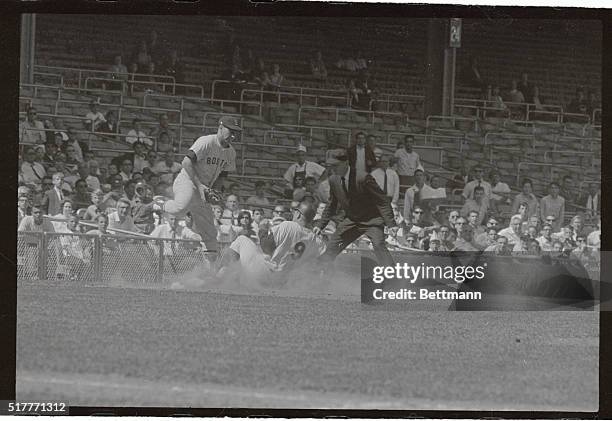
{"x":104,"y":346}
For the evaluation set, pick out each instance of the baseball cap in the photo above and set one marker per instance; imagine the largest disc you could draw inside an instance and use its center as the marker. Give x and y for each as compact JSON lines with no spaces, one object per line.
{"x":230,"y":122}
{"x":301,"y":148}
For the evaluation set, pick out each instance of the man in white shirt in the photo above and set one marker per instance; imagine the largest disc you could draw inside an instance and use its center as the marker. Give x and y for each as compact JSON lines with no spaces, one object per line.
{"x":231,"y":211}
{"x":513,"y":233}
{"x":468,"y":190}
{"x":415,"y":194}
{"x":92,"y":180}
{"x":121,"y":218}
{"x":140,"y":157}
{"x":302,"y":167}
{"x":31,"y":130}
{"x":167,"y":169}
{"x":137,"y":135}
{"x":126,"y":170}
{"x":385,"y":177}
{"x":32,"y":172}
{"x":94,"y":117}
{"x":408,"y":161}
{"x":172,"y":230}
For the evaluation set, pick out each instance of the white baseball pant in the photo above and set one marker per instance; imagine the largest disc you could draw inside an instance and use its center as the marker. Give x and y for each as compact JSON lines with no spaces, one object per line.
{"x":187,"y":198}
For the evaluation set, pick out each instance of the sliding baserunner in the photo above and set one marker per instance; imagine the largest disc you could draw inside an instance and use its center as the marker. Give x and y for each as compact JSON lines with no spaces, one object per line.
{"x":209,"y":158}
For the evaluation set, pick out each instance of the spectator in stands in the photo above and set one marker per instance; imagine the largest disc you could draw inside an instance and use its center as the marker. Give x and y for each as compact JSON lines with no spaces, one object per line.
{"x":22,"y":208}
{"x":137,"y":135}
{"x":415,"y":193}
{"x":472,"y":76}
{"x":499,"y":190}
{"x":50,"y":134}
{"x":231,"y":211}
{"x":408,"y":161}
{"x":31,"y":130}
{"x":478,"y":181}
{"x":515,"y":95}
{"x":526,"y":196}
{"x":278,"y":214}
{"x":129,"y":191}
{"x":478,"y":204}
{"x":525,"y":87}
{"x":302,"y":168}
{"x":95,"y":209}
{"x":494,"y":100}
{"x":545,"y":240}
{"x":592,"y":103}
{"x":167,"y":169}
{"x":578,"y":105}
{"x":259,"y":200}
{"x":126,"y":170}
{"x":92,"y":180}
{"x":594,"y":238}
{"x":576,"y":228}
{"x":371,"y":141}
{"x":259,"y":74}
{"x":102,"y":221}
{"x":140,"y":157}
{"x":553,"y":205}
{"x":109,"y":125}
{"x":174,"y":67}
{"x":487,"y":237}
{"x":155,"y":48}
{"x":276,"y":78}
{"x":569,"y":193}
{"x":163,"y":143}
{"x":172,"y":229}
{"x":361,"y":62}
{"x":119,"y":73}
{"x":387,"y":179}
{"x":35,"y":222}
{"x":592,"y":200}
{"x":32,"y":171}
{"x":142,"y":57}
{"x":142,"y":209}
{"x":348,"y":64}
{"x":122,"y":218}
{"x":513,"y":232}
{"x":536,"y":99}
{"x":71,"y":156}
{"x":364,"y":90}
{"x":464,"y":238}
{"x":94,"y":118}
{"x":317,"y":67}
{"x":81,"y":198}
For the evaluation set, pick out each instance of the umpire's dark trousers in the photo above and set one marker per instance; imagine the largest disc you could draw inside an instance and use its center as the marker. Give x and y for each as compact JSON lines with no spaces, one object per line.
{"x":348,"y":231}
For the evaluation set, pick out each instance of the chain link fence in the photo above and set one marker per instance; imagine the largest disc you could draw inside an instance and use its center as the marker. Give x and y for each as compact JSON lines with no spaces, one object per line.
{"x":106,"y":259}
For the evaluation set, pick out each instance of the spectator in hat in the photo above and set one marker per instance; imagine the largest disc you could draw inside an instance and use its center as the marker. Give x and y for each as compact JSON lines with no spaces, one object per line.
{"x":137,"y":135}
{"x":94,"y":118}
{"x":302,"y":168}
{"x":31,"y":130}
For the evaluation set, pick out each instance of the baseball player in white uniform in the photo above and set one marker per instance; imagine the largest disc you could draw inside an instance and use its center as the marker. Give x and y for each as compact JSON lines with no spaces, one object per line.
{"x":209,"y":158}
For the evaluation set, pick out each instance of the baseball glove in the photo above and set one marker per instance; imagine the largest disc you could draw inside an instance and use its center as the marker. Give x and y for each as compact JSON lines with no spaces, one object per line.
{"x":213,"y":196}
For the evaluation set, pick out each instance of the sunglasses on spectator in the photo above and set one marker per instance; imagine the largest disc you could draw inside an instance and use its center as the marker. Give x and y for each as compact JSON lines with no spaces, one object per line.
{"x":417,"y":211}
{"x":443,"y":231}
{"x":410,"y":239}
{"x":460,"y":223}
{"x":550,"y":219}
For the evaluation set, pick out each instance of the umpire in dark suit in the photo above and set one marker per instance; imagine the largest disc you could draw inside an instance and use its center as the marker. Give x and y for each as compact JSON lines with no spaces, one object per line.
{"x":366,"y":210}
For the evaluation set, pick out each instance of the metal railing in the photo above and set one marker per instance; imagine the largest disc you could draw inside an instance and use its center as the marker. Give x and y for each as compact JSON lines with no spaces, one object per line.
{"x":311,"y":129}
{"x":337,"y":112}
{"x":105,"y":259}
{"x":270,"y":134}
{"x":261,"y":161}
{"x":510,"y":136}
{"x":300,"y":95}
{"x":544,"y":164}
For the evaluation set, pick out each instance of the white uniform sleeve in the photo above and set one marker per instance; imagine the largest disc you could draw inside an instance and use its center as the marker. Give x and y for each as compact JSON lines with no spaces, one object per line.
{"x":200,"y":148}
{"x":289,"y":173}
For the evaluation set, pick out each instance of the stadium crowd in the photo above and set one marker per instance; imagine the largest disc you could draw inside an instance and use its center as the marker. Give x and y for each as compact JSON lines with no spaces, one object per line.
{"x":60,"y":177}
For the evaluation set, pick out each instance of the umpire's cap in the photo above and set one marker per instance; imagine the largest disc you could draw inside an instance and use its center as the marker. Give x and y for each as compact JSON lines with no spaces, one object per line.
{"x":230,"y":122}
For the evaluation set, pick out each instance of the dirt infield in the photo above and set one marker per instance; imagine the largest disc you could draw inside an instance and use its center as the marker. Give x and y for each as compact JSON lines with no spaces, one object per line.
{"x":130,"y":347}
